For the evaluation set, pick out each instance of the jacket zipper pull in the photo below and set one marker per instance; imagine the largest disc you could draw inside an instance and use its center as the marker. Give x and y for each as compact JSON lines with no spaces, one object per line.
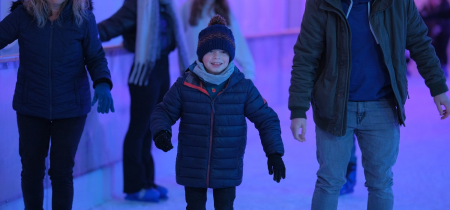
{"x":212,"y":107}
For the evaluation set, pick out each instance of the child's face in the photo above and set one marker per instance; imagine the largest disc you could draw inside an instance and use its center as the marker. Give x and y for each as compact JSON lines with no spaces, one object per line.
{"x":215,"y":61}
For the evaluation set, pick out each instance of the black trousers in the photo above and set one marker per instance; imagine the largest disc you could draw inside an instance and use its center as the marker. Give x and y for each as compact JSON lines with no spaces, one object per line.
{"x":138,"y":165}
{"x":223,"y":198}
{"x":34,"y":141}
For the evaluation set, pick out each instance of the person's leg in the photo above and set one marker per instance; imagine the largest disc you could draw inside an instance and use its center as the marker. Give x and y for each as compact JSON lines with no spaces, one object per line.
{"x":138,"y":163}
{"x":158,"y":86}
{"x":333,"y":154}
{"x":134,"y":173}
{"x":136,"y":147}
{"x":34,"y":138}
{"x":224,"y":198}
{"x":351,"y":172}
{"x":65,"y":136}
{"x":378,"y":137}
{"x":195,"y":198}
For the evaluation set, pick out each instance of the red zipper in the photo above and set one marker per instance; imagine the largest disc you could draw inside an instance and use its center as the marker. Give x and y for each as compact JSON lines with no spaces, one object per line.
{"x":210,"y":145}
{"x":212,"y":124}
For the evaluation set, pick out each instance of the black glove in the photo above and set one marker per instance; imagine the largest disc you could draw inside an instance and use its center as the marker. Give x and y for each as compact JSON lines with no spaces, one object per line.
{"x":162,"y":140}
{"x":276,"y":167}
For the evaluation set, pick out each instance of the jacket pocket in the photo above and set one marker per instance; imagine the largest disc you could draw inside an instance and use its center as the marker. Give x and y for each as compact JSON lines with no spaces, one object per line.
{"x":323,"y":100}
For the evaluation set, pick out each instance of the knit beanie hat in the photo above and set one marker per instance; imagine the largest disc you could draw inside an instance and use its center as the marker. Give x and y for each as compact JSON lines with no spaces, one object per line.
{"x":216,"y":36}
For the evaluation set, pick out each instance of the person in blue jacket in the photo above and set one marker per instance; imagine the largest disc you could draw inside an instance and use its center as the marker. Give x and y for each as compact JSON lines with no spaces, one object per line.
{"x":57,"y":39}
{"x":212,"y":99}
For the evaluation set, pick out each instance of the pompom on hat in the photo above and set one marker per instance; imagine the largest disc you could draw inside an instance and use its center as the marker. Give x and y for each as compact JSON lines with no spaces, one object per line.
{"x":216,"y":36}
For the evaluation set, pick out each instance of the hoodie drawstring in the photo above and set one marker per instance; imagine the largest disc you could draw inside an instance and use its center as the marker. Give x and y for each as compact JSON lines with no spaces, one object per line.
{"x":370,"y":25}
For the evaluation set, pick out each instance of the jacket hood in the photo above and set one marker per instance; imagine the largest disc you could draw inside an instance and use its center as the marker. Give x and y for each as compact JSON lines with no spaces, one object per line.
{"x":17,"y":3}
{"x":356,"y":1}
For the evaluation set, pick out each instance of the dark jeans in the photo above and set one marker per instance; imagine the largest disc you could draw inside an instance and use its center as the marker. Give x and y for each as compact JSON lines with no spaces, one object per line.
{"x":138,"y":166}
{"x":223,"y":198}
{"x":34,"y":141}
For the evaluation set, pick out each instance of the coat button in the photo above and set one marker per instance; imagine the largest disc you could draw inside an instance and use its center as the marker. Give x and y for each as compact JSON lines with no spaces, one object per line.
{"x":340,"y":95}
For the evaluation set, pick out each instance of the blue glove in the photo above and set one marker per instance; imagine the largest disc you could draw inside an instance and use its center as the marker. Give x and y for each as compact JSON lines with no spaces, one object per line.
{"x":102,"y":93}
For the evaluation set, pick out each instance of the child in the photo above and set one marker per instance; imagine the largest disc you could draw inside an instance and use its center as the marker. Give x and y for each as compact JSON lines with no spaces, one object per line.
{"x":212,"y":99}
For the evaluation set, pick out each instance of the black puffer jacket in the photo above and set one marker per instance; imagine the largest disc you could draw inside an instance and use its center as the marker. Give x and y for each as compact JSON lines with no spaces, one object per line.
{"x":213,"y":132}
{"x":52,"y":82}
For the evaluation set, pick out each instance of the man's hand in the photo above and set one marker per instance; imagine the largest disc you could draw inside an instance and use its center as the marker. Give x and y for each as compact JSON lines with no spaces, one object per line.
{"x":442,"y":100}
{"x":296,"y":124}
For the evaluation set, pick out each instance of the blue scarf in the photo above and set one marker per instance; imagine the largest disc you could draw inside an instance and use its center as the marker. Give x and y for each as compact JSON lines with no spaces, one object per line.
{"x":218,"y":79}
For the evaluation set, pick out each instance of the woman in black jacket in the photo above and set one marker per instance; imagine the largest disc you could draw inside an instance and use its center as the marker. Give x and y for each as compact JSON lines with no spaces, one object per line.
{"x":151,"y":30}
{"x":57,"y":39}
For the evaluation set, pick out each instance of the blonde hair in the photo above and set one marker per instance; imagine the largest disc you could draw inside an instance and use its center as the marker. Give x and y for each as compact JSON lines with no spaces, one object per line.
{"x":40,"y":10}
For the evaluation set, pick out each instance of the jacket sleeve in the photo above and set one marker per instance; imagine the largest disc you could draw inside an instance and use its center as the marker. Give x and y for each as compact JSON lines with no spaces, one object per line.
{"x":168,"y":111}
{"x":243,"y":56}
{"x":123,"y":20}
{"x":422,"y":52}
{"x":265,"y":120}
{"x":307,"y":55}
{"x":9,"y":28}
{"x":94,"y":56}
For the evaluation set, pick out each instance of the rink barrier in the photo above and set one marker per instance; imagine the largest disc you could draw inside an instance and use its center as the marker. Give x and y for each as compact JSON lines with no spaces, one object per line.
{"x":15,"y":57}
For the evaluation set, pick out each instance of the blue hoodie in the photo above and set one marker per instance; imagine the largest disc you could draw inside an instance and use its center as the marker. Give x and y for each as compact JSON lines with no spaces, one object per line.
{"x":369,"y":79}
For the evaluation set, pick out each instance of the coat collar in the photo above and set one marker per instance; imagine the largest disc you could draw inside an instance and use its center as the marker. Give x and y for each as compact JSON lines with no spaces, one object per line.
{"x":336,"y":6}
{"x":193,"y":79}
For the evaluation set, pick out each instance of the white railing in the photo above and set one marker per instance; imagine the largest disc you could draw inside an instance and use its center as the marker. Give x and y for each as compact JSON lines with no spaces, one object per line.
{"x":293,"y":31}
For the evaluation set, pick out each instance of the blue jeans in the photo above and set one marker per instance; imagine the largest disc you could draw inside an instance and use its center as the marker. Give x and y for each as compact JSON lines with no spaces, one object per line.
{"x":376,"y":127}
